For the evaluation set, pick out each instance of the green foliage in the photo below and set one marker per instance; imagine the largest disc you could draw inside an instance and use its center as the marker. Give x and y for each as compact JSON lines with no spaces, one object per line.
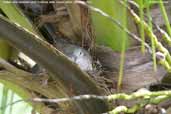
{"x":15,"y":15}
{"x":122,"y":60}
{"x":5,"y":50}
{"x":106,"y":32}
{"x":165,"y":17}
{"x":7,"y":97}
{"x":152,"y":40}
{"x":166,"y":60}
{"x":4,"y":99}
{"x":141,"y":12}
{"x":146,"y":3}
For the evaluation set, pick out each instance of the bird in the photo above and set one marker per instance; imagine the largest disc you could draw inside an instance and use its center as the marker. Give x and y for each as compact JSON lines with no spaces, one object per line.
{"x":73,"y":52}
{"x":76,"y":54}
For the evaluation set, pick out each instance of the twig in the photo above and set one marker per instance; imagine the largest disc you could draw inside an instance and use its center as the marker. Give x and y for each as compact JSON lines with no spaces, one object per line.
{"x":164,"y":34}
{"x":147,"y":97}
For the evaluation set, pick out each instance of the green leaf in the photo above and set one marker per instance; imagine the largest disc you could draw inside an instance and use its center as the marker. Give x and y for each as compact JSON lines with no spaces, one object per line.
{"x":146,"y":3}
{"x":106,"y":32}
{"x":5,"y":50}
{"x":15,"y":15}
{"x":6,"y":92}
{"x":4,"y":99}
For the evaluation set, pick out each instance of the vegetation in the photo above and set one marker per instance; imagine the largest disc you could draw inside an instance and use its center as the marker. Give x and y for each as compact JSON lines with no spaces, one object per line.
{"x":81,"y":56}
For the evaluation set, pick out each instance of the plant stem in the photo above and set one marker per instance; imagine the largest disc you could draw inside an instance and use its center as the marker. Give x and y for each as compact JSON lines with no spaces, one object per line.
{"x":164,"y":13}
{"x":122,"y":60}
{"x":152,"y":40}
{"x":142,"y":26}
{"x":151,"y":35}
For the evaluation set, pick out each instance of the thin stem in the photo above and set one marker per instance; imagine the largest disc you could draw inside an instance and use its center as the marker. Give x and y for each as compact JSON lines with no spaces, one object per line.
{"x":164,"y":14}
{"x":4,"y":99}
{"x":122,"y":60}
{"x":151,"y":35}
{"x":152,"y":40}
{"x":165,"y":35}
{"x":142,"y":26}
{"x":11,"y":100}
{"x":146,"y":97}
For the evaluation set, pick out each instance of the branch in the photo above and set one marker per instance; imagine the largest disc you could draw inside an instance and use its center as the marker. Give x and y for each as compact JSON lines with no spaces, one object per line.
{"x":146,"y":96}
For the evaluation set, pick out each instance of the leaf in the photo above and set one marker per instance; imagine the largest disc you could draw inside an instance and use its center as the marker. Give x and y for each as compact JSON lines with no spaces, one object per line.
{"x":5,"y":50}
{"x":15,"y":15}
{"x":146,"y":3}
{"x":106,"y":32}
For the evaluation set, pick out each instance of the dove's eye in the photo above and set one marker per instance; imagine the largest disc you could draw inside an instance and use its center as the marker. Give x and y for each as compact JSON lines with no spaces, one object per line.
{"x":80,"y":53}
